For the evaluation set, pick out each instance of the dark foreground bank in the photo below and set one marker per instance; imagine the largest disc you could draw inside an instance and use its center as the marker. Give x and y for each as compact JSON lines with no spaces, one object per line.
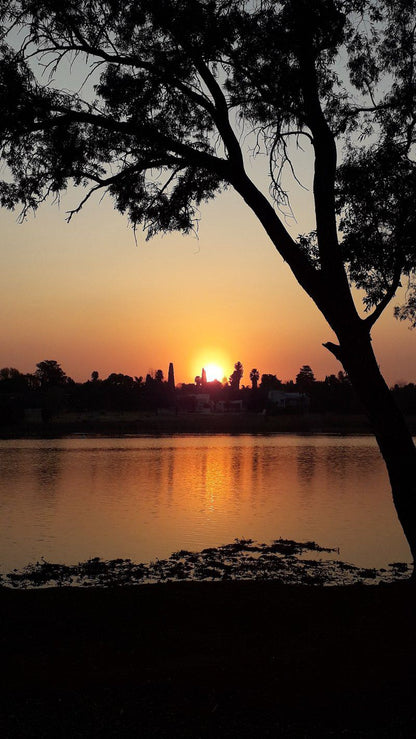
{"x":232,"y":659}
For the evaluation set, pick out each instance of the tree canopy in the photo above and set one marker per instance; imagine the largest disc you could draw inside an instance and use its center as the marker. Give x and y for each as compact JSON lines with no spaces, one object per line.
{"x":50,"y":373}
{"x":176,"y":82}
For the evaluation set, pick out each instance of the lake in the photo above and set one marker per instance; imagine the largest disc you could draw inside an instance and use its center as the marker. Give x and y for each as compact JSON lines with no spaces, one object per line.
{"x":67,"y":500}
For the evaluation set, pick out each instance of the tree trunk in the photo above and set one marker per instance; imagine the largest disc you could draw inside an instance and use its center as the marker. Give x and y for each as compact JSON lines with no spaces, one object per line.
{"x":392,"y":434}
{"x":330,"y":292}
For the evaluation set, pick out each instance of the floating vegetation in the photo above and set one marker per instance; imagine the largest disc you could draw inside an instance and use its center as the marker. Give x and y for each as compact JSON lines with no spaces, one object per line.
{"x":283,"y":561}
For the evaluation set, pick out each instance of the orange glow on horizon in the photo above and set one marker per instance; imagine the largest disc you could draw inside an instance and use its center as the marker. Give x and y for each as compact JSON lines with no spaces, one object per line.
{"x":215,"y":363}
{"x":70,"y":294}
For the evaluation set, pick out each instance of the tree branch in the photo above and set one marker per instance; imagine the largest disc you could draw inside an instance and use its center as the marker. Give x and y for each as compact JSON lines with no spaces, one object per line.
{"x":74,"y":211}
{"x":220,"y":115}
{"x":193,"y":155}
{"x":132,"y":61}
{"x":388,"y":296}
{"x":105,"y":183}
{"x":325,"y":164}
{"x":333,"y":270}
{"x":306,"y":274}
{"x":335,"y":349}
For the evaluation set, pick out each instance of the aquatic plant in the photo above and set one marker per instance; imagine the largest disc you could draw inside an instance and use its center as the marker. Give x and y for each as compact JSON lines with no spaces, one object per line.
{"x":283,"y":560}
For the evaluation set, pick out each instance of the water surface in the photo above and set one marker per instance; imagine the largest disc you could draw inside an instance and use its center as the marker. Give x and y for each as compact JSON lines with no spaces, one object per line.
{"x":71,"y":499}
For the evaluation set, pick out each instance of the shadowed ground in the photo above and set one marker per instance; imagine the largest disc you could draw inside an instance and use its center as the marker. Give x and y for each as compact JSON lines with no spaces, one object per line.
{"x":229,"y":659}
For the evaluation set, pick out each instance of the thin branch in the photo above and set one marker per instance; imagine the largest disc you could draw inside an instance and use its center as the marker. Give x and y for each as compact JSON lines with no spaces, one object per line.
{"x":166,"y":185}
{"x":76,"y":210}
{"x":104,"y":183}
{"x":127,"y":60}
{"x":388,"y":296}
{"x":353,"y":112}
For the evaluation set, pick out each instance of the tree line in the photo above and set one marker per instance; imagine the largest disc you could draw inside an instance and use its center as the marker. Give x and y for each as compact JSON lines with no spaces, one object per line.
{"x":52,"y":391}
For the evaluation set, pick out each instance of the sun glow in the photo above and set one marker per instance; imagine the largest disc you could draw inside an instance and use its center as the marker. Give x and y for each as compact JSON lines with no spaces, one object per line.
{"x":214,"y":372}
{"x":214,"y":361}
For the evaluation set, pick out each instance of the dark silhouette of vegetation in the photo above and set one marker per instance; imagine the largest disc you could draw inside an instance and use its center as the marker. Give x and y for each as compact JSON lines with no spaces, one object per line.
{"x":50,"y":374}
{"x":254,"y":377}
{"x":160,"y":138}
{"x":236,"y":376}
{"x":305,"y":378}
{"x":21,"y":394}
{"x":270,"y":382}
{"x":243,"y":559}
{"x":159,"y":375}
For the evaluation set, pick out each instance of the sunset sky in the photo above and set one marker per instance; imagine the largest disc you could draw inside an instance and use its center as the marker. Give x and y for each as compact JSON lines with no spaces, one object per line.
{"x":86,"y":295}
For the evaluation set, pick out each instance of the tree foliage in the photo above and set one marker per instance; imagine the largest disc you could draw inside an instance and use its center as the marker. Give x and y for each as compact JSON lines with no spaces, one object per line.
{"x":305,"y":378}
{"x":254,"y":377}
{"x":50,"y":374}
{"x":270,"y":382}
{"x":236,"y":375}
{"x":175,"y":81}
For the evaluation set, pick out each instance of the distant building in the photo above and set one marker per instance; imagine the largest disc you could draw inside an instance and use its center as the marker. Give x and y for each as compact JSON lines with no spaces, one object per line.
{"x":171,"y":376}
{"x":280,"y":399}
{"x":197,"y":402}
{"x":229,"y":406}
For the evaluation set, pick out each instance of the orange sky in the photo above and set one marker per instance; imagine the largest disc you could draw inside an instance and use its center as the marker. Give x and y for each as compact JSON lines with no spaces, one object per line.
{"x":84,"y":294}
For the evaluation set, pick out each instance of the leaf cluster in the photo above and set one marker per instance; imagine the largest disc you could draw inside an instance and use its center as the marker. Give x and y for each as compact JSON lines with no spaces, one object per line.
{"x":143,"y":135}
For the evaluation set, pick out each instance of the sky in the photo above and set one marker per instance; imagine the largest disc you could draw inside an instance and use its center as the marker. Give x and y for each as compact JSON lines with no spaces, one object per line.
{"x":87,"y":295}
{"x":91,"y":297}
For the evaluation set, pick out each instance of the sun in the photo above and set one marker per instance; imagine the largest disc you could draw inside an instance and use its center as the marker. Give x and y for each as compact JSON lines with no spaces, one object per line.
{"x":214,"y":372}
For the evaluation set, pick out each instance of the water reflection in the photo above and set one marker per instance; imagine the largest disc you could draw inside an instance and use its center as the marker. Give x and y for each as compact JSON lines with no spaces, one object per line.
{"x":72,"y":499}
{"x":48,"y":469}
{"x":306,"y":460}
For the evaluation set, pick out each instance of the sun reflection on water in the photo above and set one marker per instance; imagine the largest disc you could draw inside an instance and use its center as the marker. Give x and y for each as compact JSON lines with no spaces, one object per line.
{"x":69,"y":500}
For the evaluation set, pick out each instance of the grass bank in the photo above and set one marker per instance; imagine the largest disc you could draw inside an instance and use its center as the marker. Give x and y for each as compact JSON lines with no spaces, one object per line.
{"x":230,"y":659}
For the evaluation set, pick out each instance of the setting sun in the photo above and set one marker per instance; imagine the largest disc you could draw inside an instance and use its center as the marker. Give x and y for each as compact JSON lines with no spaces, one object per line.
{"x":214,"y":361}
{"x":214,"y":372}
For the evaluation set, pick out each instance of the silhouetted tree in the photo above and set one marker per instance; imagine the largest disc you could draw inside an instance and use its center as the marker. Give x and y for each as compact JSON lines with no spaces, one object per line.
{"x":334,"y":394}
{"x":236,"y":376}
{"x":94,"y":376}
{"x":50,"y":374}
{"x":254,"y":377}
{"x":270,"y":382}
{"x":32,"y":381}
{"x":12,"y":381}
{"x":149,"y":380}
{"x":159,"y":375}
{"x":9,"y":373}
{"x":305,"y":378}
{"x":160,"y":138}
{"x":118,"y":379}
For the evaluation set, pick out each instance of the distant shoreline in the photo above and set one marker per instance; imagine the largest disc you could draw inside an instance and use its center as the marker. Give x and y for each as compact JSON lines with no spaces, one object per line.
{"x":151,"y":424}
